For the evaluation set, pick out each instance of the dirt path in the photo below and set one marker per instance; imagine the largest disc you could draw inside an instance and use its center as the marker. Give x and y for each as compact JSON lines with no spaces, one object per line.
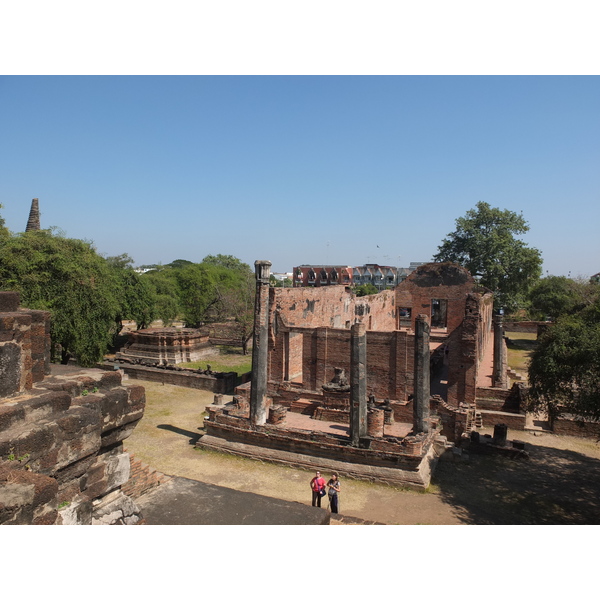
{"x":559,"y":483}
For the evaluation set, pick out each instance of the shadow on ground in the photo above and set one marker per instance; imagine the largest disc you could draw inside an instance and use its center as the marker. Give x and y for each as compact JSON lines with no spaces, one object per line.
{"x":553,"y":487}
{"x":193,"y":435}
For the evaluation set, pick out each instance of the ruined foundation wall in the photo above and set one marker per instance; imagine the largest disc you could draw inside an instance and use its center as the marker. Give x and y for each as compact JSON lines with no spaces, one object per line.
{"x":405,"y":463}
{"x":576,"y":426}
{"x":61,"y":437}
{"x":222,"y":383}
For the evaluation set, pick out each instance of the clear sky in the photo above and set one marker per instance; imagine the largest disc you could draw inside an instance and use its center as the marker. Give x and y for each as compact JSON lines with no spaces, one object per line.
{"x":302,"y":169}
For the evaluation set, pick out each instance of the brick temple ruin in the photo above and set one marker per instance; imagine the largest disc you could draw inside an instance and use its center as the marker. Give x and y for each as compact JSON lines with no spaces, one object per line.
{"x":373,"y":387}
{"x":166,"y":345}
{"x":61,"y":437}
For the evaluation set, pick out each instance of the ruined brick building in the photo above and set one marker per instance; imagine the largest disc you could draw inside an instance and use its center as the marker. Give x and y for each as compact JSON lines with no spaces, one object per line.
{"x":61,"y":437}
{"x":413,"y":355}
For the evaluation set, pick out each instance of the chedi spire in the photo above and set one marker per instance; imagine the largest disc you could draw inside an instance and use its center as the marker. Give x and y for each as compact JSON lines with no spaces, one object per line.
{"x":33,"y":223}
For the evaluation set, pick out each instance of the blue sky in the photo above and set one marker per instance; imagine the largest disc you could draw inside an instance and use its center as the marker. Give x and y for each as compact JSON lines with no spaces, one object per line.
{"x":302,"y":169}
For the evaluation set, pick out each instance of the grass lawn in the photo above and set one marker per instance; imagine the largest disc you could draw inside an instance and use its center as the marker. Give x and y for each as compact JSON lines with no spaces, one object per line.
{"x":520,"y":347}
{"x":229,"y":359}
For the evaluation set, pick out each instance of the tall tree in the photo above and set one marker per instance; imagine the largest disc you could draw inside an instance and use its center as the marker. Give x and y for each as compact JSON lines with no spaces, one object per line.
{"x":237,"y":303}
{"x":484,"y":242}
{"x":4,"y":233}
{"x":555,"y":296}
{"x":71,"y":280}
{"x":136,"y":298}
{"x":227,"y":261}
{"x":199,"y":286}
{"x":564,"y":371}
{"x":166,"y":293}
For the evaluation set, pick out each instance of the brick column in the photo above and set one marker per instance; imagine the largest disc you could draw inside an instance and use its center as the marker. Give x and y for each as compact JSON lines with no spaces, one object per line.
{"x":258,"y":389}
{"x":422,"y":389}
{"x":321,"y":357}
{"x":499,"y":380}
{"x":358,"y":383}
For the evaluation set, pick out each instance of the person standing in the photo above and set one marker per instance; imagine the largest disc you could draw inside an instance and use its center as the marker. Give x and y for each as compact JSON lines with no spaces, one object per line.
{"x":317,"y":485}
{"x":334,"y":493}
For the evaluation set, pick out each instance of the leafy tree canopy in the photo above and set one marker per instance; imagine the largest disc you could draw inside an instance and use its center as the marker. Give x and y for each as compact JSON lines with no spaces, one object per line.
{"x":71,"y":280}
{"x":555,"y":296}
{"x":564,"y":372}
{"x":4,"y":233}
{"x":484,"y":242}
{"x":179,"y":263}
{"x":166,"y":293}
{"x":200,"y":290}
{"x":226,"y":261}
{"x":366,"y":289}
{"x":135,"y":296}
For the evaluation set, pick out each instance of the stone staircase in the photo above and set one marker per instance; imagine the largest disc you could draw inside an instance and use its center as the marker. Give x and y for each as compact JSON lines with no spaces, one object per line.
{"x":303,"y":407}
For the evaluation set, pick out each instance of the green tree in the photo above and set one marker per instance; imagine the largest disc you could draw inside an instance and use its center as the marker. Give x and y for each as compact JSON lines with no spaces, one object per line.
{"x":71,"y":280}
{"x":226,"y":261}
{"x":555,"y":296}
{"x":4,"y":233}
{"x":136,"y":298}
{"x":484,"y":242}
{"x":166,"y":293}
{"x":366,"y":289}
{"x":564,"y":372}
{"x":201,"y":288}
{"x":179,"y":263}
{"x":238,"y":305}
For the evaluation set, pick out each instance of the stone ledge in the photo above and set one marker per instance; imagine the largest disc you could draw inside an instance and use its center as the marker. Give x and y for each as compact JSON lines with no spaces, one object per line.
{"x":417,"y":480}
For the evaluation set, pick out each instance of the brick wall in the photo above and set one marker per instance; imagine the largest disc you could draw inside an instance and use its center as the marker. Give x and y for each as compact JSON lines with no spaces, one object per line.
{"x":523,"y":326}
{"x":318,"y":444}
{"x":333,"y":307}
{"x":512,"y":400}
{"x":142,"y":479}
{"x":223,"y":383}
{"x":511,"y":420}
{"x":575,"y":426}
{"x":310,"y":335}
{"x":61,"y":450}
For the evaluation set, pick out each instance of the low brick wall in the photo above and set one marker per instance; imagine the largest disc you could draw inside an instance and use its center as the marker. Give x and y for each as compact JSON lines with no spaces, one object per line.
{"x":524,"y":326}
{"x":224,"y":383}
{"x":511,"y":420}
{"x":407,"y":455}
{"x":576,"y":427}
{"x":500,"y":400}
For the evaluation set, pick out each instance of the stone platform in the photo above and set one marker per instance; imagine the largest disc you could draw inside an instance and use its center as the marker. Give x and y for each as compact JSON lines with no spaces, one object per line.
{"x":182,"y":501}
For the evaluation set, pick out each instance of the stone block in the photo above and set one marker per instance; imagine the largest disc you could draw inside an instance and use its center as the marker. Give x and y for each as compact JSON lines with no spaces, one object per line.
{"x":115,"y":508}
{"x":9,"y":301}
{"x":77,"y":513}
{"x":118,"y":434}
{"x":110,"y":380}
{"x":24,"y":495}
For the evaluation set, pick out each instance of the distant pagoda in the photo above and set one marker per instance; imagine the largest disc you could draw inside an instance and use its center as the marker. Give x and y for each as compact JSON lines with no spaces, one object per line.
{"x":33,"y":223}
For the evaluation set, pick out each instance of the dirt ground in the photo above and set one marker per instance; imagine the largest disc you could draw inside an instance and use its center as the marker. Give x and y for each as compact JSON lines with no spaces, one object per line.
{"x":559,"y":484}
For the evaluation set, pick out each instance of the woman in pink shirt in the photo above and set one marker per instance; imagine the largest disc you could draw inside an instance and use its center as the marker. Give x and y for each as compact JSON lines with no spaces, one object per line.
{"x":317,"y":485}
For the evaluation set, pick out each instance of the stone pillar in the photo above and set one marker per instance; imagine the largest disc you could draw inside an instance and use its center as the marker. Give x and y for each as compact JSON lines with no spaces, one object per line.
{"x":422,"y":389}
{"x":33,"y":223}
{"x":500,"y":434}
{"x":500,"y":379}
{"x":358,"y":383}
{"x":375,"y":422}
{"x":258,"y":389}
